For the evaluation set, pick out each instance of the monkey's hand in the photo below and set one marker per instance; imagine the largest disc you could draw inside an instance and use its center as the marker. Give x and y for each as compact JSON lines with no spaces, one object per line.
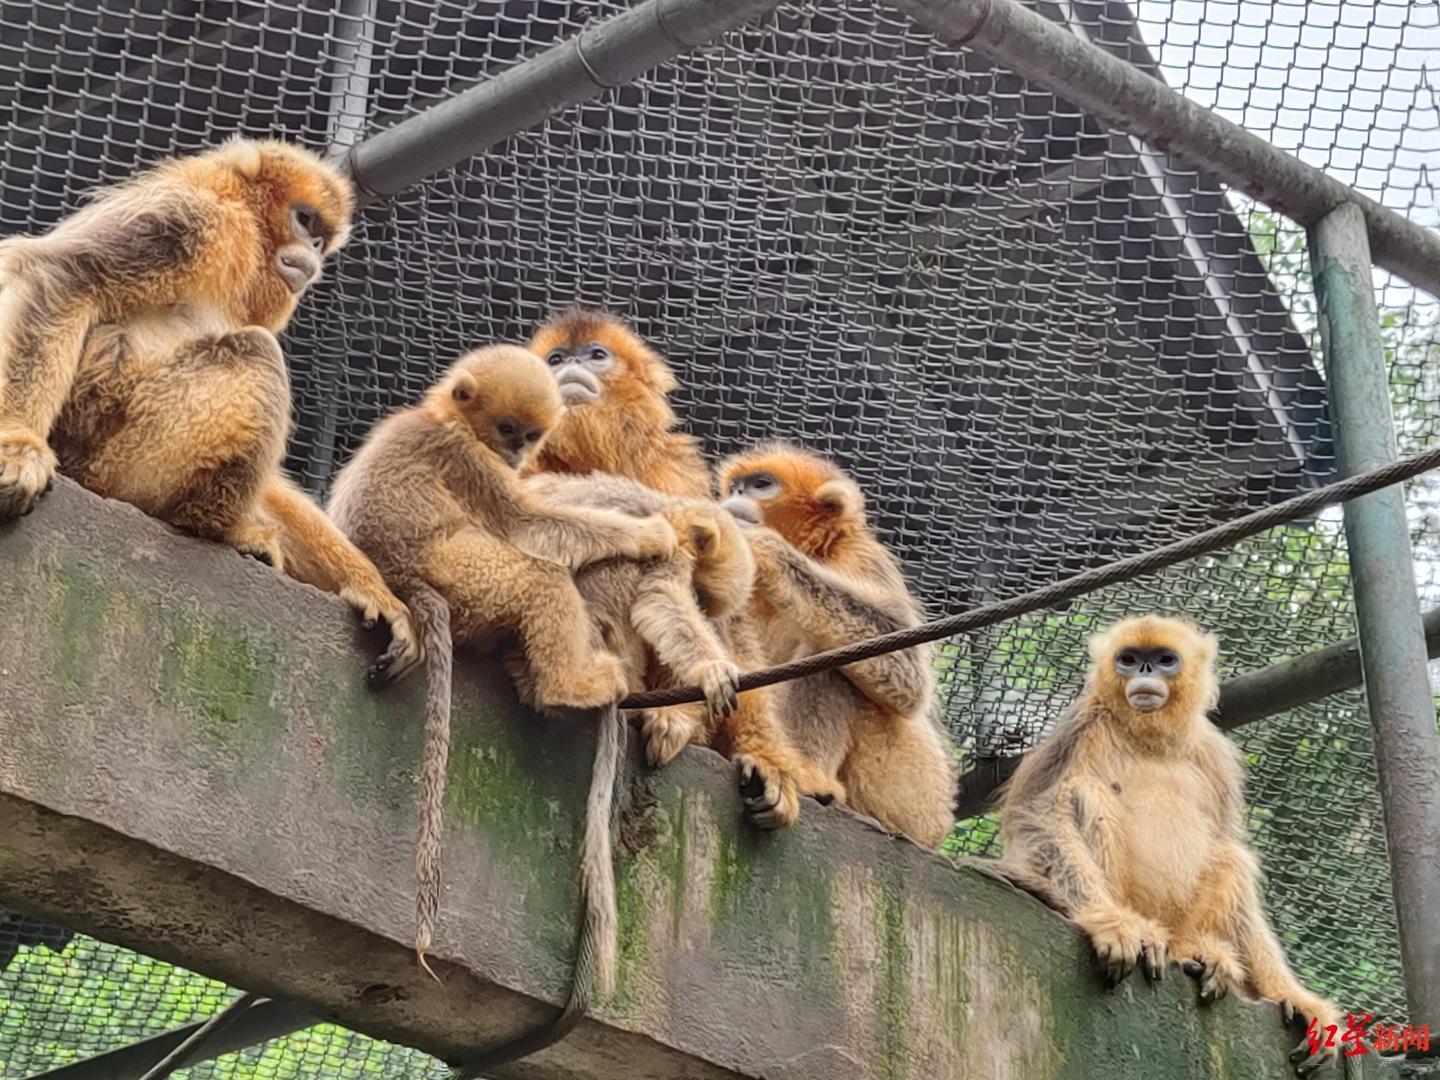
{"x":1122,"y":939}
{"x":1211,"y":962}
{"x":720,"y":679}
{"x":1300,"y":1009}
{"x":667,"y":732}
{"x":27,"y":470}
{"x":651,"y":538}
{"x":768,"y":792}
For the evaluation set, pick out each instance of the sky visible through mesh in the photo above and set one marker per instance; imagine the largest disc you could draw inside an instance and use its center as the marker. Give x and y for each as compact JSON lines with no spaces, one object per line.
{"x":1038,"y":344}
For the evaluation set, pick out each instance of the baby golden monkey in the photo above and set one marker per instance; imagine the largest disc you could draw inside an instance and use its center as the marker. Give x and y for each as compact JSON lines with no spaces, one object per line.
{"x":619,"y":421}
{"x":138,"y":338}
{"x":1130,"y":818}
{"x":433,"y":497}
{"x":823,"y":580}
{"x":655,"y":615}
{"x":666,"y":621}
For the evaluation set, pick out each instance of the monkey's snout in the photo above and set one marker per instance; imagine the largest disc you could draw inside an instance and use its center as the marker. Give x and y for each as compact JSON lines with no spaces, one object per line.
{"x":577,"y":386}
{"x":1146,"y":695}
{"x":297,"y":266}
{"x":743,"y":510}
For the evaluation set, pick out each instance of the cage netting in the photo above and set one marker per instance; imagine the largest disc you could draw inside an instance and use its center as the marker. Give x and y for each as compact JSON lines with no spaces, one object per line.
{"x":1037,"y":342}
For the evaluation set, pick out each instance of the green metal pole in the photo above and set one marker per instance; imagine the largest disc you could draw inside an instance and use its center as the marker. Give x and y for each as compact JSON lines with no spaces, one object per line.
{"x":1392,"y":641}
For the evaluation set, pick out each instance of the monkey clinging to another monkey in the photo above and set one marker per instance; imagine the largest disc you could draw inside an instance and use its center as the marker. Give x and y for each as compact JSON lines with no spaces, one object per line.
{"x":138,"y":339}
{"x":433,"y":496}
{"x":1130,"y":819}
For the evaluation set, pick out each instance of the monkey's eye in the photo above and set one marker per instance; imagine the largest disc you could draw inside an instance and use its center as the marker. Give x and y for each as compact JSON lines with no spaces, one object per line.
{"x":532,"y":436}
{"x":556,"y":358}
{"x":598,"y":353}
{"x":764,"y":486}
{"x":1168,"y":660}
{"x":1129,"y":659}
{"x":307,"y":223}
{"x":505,"y":429}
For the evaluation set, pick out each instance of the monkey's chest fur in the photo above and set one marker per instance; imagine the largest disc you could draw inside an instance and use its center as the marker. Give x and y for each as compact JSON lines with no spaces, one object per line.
{"x":1161,"y":834}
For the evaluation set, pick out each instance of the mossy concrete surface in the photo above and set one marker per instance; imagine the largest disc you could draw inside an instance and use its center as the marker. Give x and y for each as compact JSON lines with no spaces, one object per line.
{"x":192,"y":765}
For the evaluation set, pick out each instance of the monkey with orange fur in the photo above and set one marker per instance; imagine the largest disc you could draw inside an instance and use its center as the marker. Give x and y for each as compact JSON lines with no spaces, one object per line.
{"x":823,"y":580}
{"x":1130,"y":818}
{"x":137,"y":338}
{"x":619,"y":421}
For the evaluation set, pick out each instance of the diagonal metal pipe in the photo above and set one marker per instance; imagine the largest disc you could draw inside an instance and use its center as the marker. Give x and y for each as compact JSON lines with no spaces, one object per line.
{"x":604,"y":55}
{"x":1120,"y":93}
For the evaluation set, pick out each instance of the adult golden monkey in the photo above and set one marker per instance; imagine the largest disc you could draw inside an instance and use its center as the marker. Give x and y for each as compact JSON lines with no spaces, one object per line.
{"x":137,"y":338}
{"x":1130,"y":818}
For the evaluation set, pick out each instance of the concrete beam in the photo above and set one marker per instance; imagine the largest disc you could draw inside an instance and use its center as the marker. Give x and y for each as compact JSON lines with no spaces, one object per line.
{"x":192,"y":766}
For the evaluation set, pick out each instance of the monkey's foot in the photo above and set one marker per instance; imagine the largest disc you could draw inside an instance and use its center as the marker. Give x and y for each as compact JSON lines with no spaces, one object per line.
{"x":599,"y":680}
{"x":720,"y":679}
{"x":27,"y":470}
{"x":666,"y":733}
{"x":1299,"y":1009}
{"x":1123,"y":939}
{"x":260,"y":542}
{"x":405,"y":652}
{"x":768,"y":792}
{"x":1212,"y":963}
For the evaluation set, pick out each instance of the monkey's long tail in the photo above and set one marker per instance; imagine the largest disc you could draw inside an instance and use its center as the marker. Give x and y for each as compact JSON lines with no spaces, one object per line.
{"x":432,"y":621}
{"x":597,"y":948}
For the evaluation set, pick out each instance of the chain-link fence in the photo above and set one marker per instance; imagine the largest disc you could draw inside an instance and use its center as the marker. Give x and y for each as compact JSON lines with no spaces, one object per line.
{"x":1038,"y":343}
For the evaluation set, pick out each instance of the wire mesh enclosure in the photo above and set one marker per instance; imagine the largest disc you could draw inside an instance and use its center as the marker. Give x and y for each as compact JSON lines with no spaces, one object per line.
{"x":1038,"y":343}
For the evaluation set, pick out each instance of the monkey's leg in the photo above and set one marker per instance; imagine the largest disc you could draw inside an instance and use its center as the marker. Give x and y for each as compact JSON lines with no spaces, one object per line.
{"x":317,"y":553}
{"x":902,"y":773}
{"x":1268,"y":974}
{"x":51,"y":289}
{"x":493,"y":586}
{"x":834,"y":612}
{"x":1072,"y":852}
{"x":1202,"y":941}
{"x":201,"y":430}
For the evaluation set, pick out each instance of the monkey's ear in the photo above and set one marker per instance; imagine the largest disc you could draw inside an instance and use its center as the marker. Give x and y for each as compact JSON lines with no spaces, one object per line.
{"x":243,"y":155}
{"x":463,"y":387}
{"x":704,"y":536}
{"x":1209,"y":648}
{"x":840,"y":497}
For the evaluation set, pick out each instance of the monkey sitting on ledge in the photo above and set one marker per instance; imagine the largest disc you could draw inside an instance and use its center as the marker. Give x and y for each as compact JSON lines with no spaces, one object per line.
{"x":1130,"y":819}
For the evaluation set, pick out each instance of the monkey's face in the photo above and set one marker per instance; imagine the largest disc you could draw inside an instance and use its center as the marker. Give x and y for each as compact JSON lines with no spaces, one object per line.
{"x":1152,"y":664}
{"x":309,"y":207}
{"x":803,"y":497}
{"x":600,"y":364}
{"x":580,"y":370}
{"x":1147,"y":672}
{"x":508,"y":399}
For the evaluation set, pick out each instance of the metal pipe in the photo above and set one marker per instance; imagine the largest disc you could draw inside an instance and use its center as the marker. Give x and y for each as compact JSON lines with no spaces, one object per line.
{"x":604,"y":55}
{"x":1255,"y":695}
{"x":1387,"y":609}
{"x":263,"y":1021}
{"x":1120,"y":93}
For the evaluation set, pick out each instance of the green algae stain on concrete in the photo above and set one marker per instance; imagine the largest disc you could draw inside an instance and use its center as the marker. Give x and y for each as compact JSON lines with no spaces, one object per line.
{"x":892,"y":980}
{"x":76,"y":632}
{"x":227,"y":681}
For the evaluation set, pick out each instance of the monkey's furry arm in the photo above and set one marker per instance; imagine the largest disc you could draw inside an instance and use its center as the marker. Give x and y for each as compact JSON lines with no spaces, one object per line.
{"x":574,"y":536}
{"x":135,"y":246}
{"x":833,"y":612}
{"x":316,"y":552}
{"x":666,"y":617}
